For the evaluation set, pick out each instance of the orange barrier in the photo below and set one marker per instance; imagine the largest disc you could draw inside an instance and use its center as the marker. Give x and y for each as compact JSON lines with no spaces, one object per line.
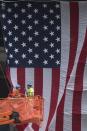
{"x":18,"y":110}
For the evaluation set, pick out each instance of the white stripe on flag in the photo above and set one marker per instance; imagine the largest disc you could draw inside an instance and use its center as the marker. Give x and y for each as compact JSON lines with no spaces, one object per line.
{"x":47,"y":84}
{"x":29,"y":76}
{"x":13,"y":74}
{"x":65,"y":46}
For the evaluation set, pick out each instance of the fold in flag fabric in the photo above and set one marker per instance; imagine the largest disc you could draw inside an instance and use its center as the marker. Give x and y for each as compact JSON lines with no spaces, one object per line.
{"x":46,"y":44}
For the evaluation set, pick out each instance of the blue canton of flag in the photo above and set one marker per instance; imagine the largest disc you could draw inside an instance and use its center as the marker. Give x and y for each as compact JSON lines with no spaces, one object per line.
{"x":32,"y":34}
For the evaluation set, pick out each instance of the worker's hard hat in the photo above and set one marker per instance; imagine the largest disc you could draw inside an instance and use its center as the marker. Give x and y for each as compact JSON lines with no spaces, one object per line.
{"x":17,"y":85}
{"x":29,"y":84}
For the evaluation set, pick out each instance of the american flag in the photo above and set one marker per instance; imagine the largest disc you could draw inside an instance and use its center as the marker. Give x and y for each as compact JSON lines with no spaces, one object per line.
{"x":35,"y":34}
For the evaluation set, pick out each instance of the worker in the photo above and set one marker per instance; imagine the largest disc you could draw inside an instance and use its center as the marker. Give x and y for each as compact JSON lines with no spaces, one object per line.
{"x":16,"y":90}
{"x":30,"y":90}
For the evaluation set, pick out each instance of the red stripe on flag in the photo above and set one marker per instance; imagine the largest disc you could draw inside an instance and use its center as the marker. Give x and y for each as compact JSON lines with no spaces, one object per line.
{"x":74,"y":25}
{"x":21,"y":78}
{"x":77,"y":96}
{"x":38,"y":87}
{"x":38,"y":81}
{"x":54,"y":94}
{"x":73,"y":47}
{"x":8,"y":73}
{"x":8,"y":76}
{"x":59,"y":116}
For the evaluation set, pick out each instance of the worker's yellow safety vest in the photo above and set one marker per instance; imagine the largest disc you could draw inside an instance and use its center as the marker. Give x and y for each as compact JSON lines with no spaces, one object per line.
{"x":30,"y":92}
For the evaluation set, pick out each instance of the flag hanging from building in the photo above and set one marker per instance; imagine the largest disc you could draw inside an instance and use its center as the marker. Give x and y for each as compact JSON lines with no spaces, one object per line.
{"x":35,"y":34}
